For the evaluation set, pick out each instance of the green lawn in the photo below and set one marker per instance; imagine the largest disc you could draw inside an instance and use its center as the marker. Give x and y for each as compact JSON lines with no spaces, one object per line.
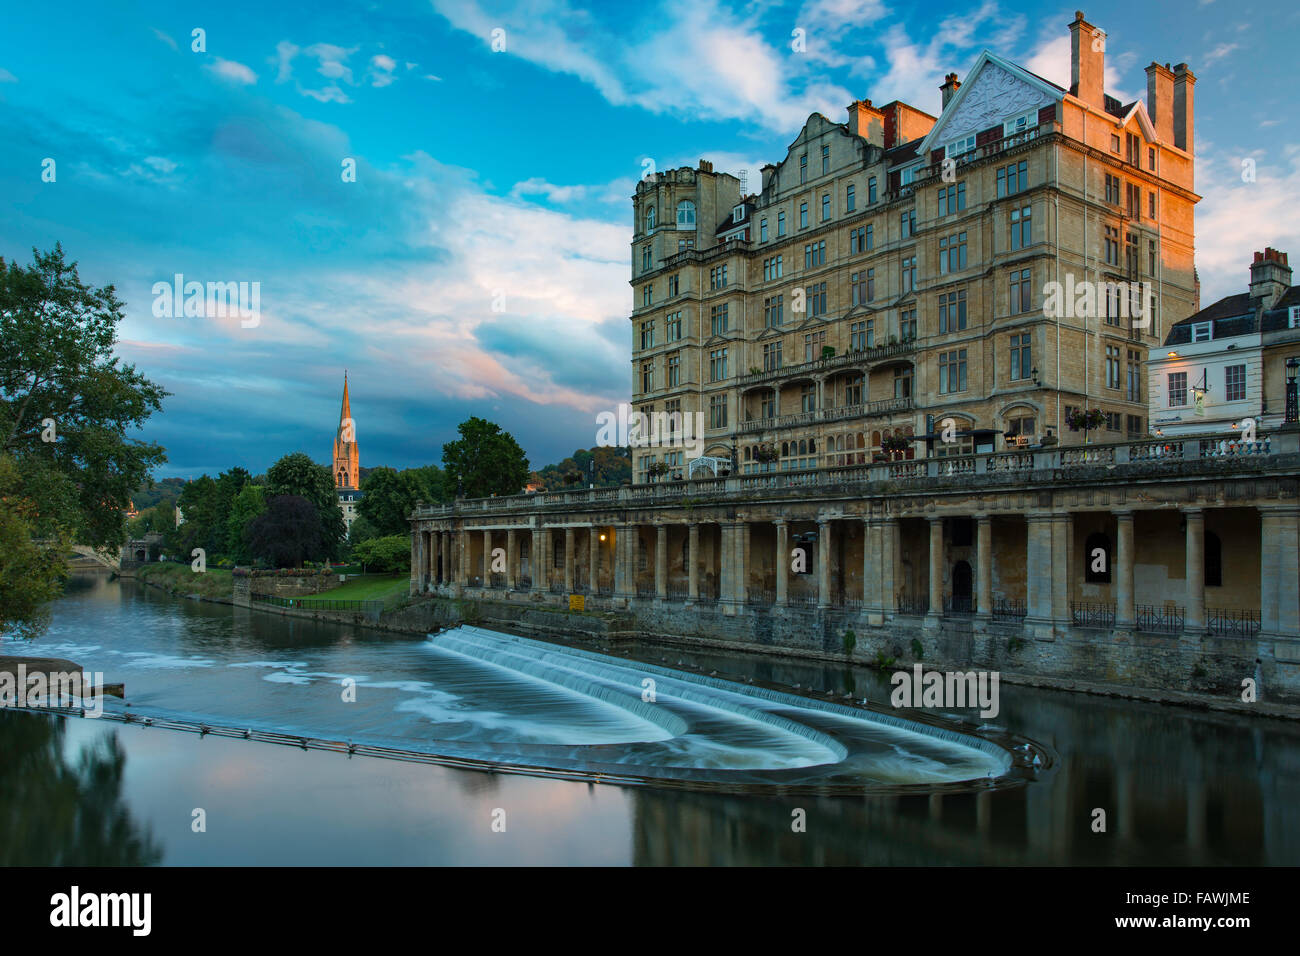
{"x":370,"y":587}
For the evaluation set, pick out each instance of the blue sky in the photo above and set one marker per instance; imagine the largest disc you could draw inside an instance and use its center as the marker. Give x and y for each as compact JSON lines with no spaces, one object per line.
{"x":478,"y":264}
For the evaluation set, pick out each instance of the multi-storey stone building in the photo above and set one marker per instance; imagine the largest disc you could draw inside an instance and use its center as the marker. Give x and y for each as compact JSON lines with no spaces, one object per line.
{"x":891,"y":275}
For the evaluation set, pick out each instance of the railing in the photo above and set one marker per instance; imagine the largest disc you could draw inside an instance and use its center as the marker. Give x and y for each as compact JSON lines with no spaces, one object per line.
{"x":679,"y":593}
{"x":760,"y":596}
{"x":877,"y":353}
{"x":959,"y":606}
{"x":1085,"y":614}
{"x":1234,"y":448}
{"x":914,"y":605}
{"x":319,"y":604}
{"x":525,"y":582}
{"x":1232,"y":622}
{"x":1014,"y":610}
{"x":886,"y":406}
{"x":802,"y":599}
{"x":497,"y":580}
{"x":645,"y":590}
{"x":1159,"y":620}
{"x":556,"y":587}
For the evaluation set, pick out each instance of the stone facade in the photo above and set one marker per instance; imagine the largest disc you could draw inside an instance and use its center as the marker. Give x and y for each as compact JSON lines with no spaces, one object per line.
{"x":917,"y":253}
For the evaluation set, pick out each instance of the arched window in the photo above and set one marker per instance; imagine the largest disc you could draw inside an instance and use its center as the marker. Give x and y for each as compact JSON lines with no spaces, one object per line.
{"x":686,"y":214}
{"x":812,"y":446}
{"x":1213,"y":560}
{"x":785,"y":448}
{"x":747,"y":453}
{"x":803,"y":446}
{"x":1096,"y":559}
{"x":649,"y":218}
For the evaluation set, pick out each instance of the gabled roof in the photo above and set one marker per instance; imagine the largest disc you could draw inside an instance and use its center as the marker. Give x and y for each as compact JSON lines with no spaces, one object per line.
{"x":1048,"y":89}
{"x":1235,"y":315}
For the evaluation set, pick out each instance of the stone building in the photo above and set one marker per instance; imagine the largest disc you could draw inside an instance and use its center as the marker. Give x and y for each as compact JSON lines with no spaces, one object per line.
{"x":893,"y":275}
{"x":1232,"y":361}
{"x":347,"y":461}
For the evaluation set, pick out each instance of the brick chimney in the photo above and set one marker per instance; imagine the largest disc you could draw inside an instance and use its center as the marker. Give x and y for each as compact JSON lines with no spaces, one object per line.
{"x":1087,"y":62}
{"x":1184,"y":82}
{"x":950,"y":87}
{"x":1160,"y":100}
{"x":867,"y":121}
{"x":706,"y":166}
{"x":1270,"y":277}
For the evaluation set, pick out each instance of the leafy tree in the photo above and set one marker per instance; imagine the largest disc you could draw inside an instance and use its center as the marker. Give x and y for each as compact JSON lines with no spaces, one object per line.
{"x":389,"y":496}
{"x":361,"y":530}
{"x":66,"y":402}
{"x":613,"y":467}
{"x":160,"y":519}
{"x":287,"y":533}
{"x":298,"y":475}
{"x":484,"y":461}
{"x":31,"y":574}
{"x":248,"y":504}
{"x":390,"y":553}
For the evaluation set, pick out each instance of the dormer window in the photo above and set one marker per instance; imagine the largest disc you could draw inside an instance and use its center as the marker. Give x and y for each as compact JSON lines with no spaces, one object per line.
{"x":1019,"y":124}
{"x":1294,"y":317}
{"x":1202,"y":332}
{"x":960,"y":147}
{"x":738,"y":214}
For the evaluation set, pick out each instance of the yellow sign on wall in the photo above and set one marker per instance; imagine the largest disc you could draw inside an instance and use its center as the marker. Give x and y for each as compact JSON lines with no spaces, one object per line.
{"x":577,"y":602}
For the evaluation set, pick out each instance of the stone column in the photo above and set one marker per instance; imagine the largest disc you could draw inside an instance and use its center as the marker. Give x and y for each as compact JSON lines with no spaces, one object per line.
{"x":936,"y":569}
{"x":1194,"y":550}
{"x":1038,"y":567}
{"x":782,"y":562}
{"x":1125,"y":609}
{"x":1060,"y":583}
{"x":593,"y":559}
{"x":535,"y":561}
{"x":487,"y":558}
{"x":693,"y":556}
{"x":416,"y":562}
{"x":661,"y":562}
{"x":622,"y":573}
{"x":891,"y":552}
{"x":512,"y":570}
{"x":740,"y":579}
{"x":547,"y":562}
{"x":823,"y":562}
{"x":1279,"y":575}
{"x":568,"y":560}
{"x":984,"y":566}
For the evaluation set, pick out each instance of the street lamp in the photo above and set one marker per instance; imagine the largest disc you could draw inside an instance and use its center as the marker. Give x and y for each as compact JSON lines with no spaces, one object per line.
{"x":1292,"y":402}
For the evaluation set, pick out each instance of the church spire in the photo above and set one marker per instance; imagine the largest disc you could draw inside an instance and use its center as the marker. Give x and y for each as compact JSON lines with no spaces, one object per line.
{"x":347,"y":455}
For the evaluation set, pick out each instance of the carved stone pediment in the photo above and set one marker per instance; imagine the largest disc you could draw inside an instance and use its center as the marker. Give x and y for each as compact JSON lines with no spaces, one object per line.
{"x":995,"y":95}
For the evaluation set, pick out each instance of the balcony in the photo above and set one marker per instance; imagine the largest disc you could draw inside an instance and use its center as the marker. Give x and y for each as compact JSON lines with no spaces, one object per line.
{"x":858,"y":358}
{"x":825,"y":415}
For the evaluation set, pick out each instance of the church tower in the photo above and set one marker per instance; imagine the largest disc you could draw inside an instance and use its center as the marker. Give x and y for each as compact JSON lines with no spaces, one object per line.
{"x":347,"y":456}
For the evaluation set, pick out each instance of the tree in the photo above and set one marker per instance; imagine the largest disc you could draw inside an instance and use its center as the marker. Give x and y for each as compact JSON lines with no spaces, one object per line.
{"x":287,"y":533}
{"x":248,"y":504}
{"x":298,"y":475}
{"x":389,"y":496}
{"x":66,"y":402}
{"x":484,"y":461}
{"x":361,"y":530}
{"x":388,"y":554}
{"x":31,"y":574}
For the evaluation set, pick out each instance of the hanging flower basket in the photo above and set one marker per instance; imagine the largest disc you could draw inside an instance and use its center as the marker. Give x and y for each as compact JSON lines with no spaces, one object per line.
{"x":1086,"y":420}
{"x":658,"y":469}
{"x":895,"y":443}
{"x":766,"y":453}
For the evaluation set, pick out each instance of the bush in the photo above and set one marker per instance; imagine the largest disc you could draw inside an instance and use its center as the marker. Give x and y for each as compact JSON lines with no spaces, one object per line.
{"x":917,"y":650}
{"x":850,"y":642}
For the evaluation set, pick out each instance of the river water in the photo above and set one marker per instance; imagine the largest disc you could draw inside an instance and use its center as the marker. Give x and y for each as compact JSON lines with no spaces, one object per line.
{"x":1176,"y":786}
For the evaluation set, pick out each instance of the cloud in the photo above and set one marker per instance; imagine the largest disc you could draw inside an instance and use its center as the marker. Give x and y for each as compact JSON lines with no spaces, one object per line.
{"x":233,"y":71}
{"x":1218,"y":53}
{"x":381,"y":70}
{"x":165,"y":38}
{"x":284,"y":54}
{"x":327,"y":94}
{"x":6,"y":76}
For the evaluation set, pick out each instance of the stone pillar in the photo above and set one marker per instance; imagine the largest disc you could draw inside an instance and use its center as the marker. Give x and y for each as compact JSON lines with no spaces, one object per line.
{"x":535,"y":561}
{"x":823,"y":562}
{"x":622,"y":573}
{"x":593,"y":559}
{"x":546,"y":560}
{"x":1125,"y":609}
{"x":1194,"y":550}
{"x":984,"y":566}
{"x":1279,"y":575}
{"x":416,"y":562}
{"x":512,"y":568}
{"x":740,"y":578}
{"x":693,"y":556}
{"x":487,"y":558}
{"x":568,"y":560}
{"x":1038,"y":567}
{"x":661,"y":562}
{"x":891,"y":551}
{"x":782,"y":562}
{"x":1060,"y":583}
{"x":935,"y":553}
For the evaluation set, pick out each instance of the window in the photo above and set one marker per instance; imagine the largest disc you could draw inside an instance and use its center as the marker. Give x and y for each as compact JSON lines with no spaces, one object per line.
{"x":814,"y":254}
{"x":952,"y":371}
{"x":686,"y":214}
{"x":674,"y":286}
{"x":808,"y":398}
{"x":674,"y":367}
{"x":1135,"y":426}
{"x":717,"y":365}
{"x":718,"y":277}
{"x":780,"y":224}
{"x":684,"y":244}
{"x":1133,"y":200}
{"x":1096,"y":567}
{"x":1131,"y":254}
{"x":826,"y":160}
{"x":816,"y":299}
{"x":826,"y":207}
{"x":853,"y":390}
{"x":1151,"y":158}
{"x":717,"y":411}
{"x":1202,"y":331}
{"x":647,"y":376}
{"x":871,"y":284}
{"x":1177,"y":389}
{"x":1234,"y":383}
{"x":648,"y":334}
{"x":673,"y":326}
{"x":1134,"y":392}
{"x":907,"y":325}
{"x":903,"y":382}
{"x":908,"y":274}
{"x":738,"y":213}
{"x":1020,"y":123}
{"x":645,"y":258}
{"x":812,"y":345}
{"x":1112,"y":189}
{"x":769,"y":397}
{"x":1112,"y":366}
{"x":1151,"y":257}
{"x":803,"y":168}
{"x":1293,"y":317}
{"x":762,"y":230}
{"x":774,"y":311}
{"x":858,"y":239}
{"x":1023,"y":425}
{"x":1013,"y":179}
{"x":1021,"y":227}
{"x":771,"y":357}
{"x":1021,"y":293}
{"x":952,"y":311}
{"x":907,"y":224}
{"x":650,"y":219}
{"x":1151,"y":205}
{"x":1133,"y":147}
{"x":952,"y":253}
{"x":952,"y":198}
{"x":647,"y":295}
{"x":1022,"y":357}
{"x":1112,"y":246}
{"x":803,"y":215}
{"x":871,"y":189}
{"x":1114,"y":142}
{"x":858,"y":287}
{"x":960,"y":147}
{"x":718,"y":319}
{"x":849,"y":199}
{"x":772,"y":268}
{"x":1112,"y":421}
{"x":861,"y":335}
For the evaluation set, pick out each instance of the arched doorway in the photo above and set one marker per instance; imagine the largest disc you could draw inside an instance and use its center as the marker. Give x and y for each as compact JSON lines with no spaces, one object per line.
{"x":961,"y":587}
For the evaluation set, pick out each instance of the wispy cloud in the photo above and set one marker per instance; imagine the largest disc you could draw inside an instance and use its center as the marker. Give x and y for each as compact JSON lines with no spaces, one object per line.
{"x":233,"y":71}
